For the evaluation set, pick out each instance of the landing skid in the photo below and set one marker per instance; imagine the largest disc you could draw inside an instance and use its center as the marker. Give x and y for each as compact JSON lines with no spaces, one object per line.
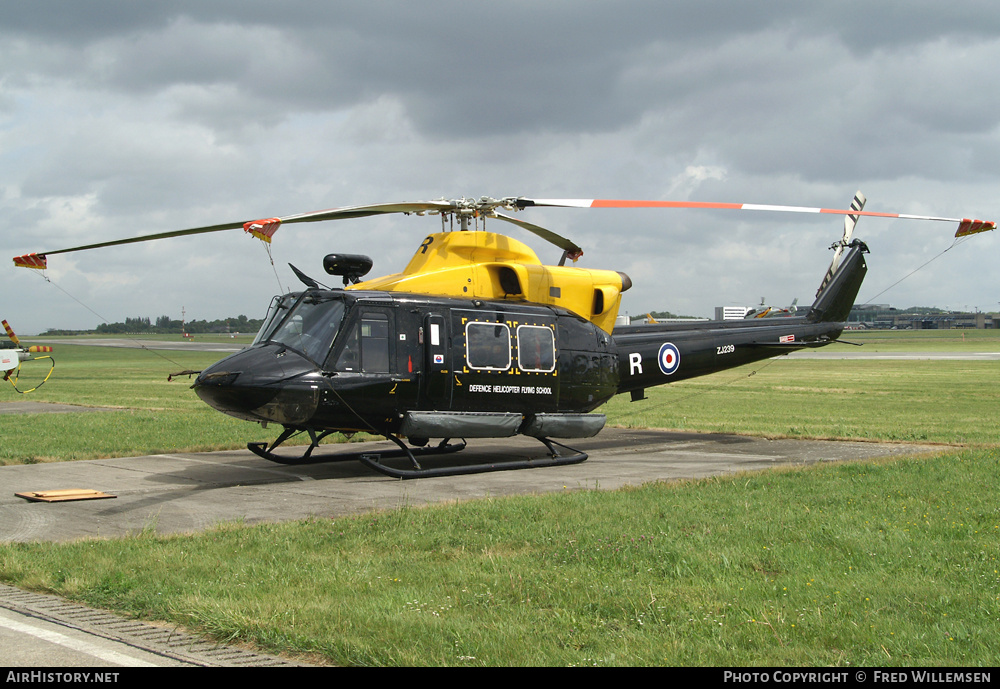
{"x":373,"y":460}
{"x":307,"y":457}
{"x":262,"y":450}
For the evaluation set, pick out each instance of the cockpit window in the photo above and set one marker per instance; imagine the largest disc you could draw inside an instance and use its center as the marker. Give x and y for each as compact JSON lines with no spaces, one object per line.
{"x":309,"y":327}
{"x":275,"y":312}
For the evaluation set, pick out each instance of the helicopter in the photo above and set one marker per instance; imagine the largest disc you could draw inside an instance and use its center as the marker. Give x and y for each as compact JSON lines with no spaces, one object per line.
{"x":763,"y":310}
{"x":13,"y":354}
{"x":476,"y":338}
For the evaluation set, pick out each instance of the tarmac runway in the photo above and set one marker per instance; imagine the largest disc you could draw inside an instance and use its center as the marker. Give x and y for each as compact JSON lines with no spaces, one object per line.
{"x":133,"y":343}
{"x":22,"y":407}
{"x":172,"y":493}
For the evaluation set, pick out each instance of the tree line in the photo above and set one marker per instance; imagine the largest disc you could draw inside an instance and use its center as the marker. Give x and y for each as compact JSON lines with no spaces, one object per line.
{"x":164,"y":325}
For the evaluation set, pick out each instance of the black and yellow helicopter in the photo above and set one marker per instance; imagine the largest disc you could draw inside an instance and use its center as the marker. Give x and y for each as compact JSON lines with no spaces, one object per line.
{"x":476,"y":338}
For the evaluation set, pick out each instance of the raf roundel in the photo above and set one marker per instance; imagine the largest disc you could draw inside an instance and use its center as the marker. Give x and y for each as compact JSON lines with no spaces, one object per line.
{"x":669,"y":358}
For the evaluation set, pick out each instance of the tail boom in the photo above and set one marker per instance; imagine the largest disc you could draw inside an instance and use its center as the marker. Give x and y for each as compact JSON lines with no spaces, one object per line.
{"x":650,"y":355}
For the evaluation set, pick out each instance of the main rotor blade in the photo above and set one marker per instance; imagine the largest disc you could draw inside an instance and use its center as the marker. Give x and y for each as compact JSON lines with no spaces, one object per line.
{"x":572,"y":250}
{"x":966,"y":226}
{"x":145,"y":238}
{"x":263,"y":229}
{"x":373,"y":209}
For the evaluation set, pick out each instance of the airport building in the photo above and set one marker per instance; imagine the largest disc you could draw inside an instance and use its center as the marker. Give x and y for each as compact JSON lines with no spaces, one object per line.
{"x":884,"y":317}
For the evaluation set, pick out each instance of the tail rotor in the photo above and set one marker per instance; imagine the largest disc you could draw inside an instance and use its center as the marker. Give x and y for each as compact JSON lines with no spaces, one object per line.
{"x":850,"y":222}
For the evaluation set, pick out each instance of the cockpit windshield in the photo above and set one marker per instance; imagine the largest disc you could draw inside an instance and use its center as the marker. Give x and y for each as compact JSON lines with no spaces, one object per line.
{"x":275,"y":312}
{"x":307,"y":326}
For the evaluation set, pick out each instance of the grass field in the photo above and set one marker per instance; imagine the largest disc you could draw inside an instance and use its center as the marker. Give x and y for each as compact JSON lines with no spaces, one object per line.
{"x":149,"y":414}
{"x":920,"y":340}
{"x":888,"y":563}
{"x":926,"y":401}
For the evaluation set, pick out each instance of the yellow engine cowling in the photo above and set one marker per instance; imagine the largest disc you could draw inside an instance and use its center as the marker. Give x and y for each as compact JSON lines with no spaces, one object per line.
{"x":486,"y":265}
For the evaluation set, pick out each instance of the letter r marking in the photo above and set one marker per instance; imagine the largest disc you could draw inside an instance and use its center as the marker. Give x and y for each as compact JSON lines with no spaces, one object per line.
{"x":634,"y":363}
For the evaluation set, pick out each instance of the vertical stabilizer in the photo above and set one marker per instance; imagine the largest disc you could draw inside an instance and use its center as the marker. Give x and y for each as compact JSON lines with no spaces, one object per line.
{"x":836,"y":297}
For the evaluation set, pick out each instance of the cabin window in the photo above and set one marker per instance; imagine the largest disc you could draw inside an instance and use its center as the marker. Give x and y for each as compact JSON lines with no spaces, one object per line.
{"x":487,"y":346}
{"x":350,"y":355}
{"x":536,"y":349}
{"x":375,"y":343}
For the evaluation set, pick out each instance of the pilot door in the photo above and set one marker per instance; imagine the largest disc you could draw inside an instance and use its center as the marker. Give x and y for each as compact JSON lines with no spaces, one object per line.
{"x":363,"y":360}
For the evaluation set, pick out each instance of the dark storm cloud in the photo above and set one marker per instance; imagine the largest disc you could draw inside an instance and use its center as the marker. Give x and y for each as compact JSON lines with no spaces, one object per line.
{"x":470,"y":69}
{"x":463,"y":68}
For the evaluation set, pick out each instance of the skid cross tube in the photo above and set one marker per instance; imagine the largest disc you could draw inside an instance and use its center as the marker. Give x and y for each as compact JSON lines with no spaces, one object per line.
{"x":373,"y":460}
{"x":262,"y":450}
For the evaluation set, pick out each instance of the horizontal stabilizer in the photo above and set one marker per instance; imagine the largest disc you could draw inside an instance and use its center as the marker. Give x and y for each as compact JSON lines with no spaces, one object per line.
{"x":791,"y":346}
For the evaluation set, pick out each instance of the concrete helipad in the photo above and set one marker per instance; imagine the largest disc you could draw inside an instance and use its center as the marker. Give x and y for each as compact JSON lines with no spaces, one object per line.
{"x":173,"y":493}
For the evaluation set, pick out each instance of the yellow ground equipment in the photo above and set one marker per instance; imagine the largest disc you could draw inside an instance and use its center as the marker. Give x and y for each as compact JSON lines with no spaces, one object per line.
{"x":12,"y":355}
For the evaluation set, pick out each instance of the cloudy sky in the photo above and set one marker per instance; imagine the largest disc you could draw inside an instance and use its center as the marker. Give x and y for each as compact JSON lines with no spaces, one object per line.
{"x":125,"y":118}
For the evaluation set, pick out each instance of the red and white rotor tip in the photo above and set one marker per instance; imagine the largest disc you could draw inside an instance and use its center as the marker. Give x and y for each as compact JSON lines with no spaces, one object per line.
{"x":262,"y":229}
{"x":36,"y":261}
{"x":967,"y":227}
